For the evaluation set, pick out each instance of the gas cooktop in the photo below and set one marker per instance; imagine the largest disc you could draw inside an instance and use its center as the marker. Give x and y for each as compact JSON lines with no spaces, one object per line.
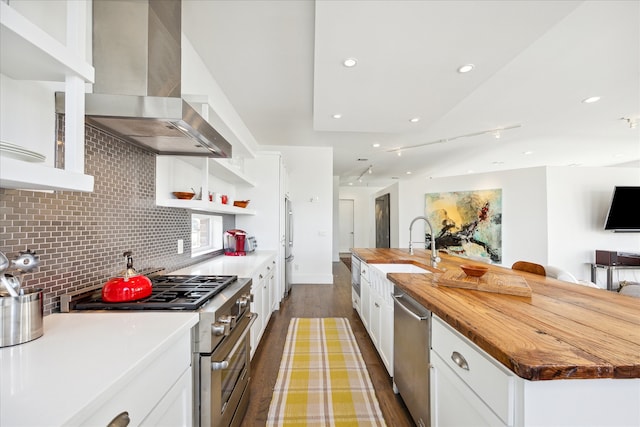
{"x":169,"y":292}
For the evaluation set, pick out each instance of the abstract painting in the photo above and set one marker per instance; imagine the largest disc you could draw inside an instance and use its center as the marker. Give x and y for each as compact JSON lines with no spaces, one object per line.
{"x":467,"y":223}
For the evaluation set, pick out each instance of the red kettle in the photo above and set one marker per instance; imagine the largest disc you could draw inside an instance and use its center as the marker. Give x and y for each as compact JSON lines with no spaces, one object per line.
{"x":131,"y":286}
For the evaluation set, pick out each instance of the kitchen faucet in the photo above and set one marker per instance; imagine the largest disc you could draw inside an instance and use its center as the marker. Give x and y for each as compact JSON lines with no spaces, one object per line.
{"x":435,"y":259}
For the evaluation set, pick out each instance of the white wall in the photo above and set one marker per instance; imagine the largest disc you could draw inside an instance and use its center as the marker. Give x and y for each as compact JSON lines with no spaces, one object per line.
{"x":363,"y":213}
{"x":578,"y":201}
{"x":551,"y":215}
{"x":198,"y":81}
{"x":310,"y":171}
{"x":524,"y":226}
{"x":394,"y":215}
{"x":265,"y":197}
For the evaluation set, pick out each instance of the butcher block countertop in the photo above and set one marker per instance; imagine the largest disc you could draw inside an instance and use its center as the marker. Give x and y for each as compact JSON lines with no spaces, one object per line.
{"x":563,"y":331}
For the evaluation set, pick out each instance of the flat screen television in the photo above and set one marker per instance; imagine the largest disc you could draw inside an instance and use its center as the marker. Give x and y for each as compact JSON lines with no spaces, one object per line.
{"x":624,"y":211}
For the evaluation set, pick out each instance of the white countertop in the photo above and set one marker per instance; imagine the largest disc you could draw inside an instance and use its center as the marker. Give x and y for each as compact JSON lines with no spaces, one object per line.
{"x":81,"y":355}
{"x":241,"y":266}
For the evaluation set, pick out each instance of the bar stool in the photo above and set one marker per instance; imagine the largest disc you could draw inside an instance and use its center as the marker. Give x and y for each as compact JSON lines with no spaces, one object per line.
{"x":529,"y":267}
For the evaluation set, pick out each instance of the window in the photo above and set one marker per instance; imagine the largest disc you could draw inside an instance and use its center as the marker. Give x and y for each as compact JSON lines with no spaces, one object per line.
{"x":206,"y":234}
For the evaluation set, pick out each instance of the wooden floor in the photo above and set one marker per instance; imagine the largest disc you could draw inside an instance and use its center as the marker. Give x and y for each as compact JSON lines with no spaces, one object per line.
{"x":318,"y":301}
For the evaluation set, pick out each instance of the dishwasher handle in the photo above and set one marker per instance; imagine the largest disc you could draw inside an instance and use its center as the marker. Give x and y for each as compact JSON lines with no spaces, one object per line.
{"x":397,"y":298}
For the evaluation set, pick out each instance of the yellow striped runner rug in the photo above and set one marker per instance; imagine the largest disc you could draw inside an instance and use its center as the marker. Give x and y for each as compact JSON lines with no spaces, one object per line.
{"x":323,"y":380}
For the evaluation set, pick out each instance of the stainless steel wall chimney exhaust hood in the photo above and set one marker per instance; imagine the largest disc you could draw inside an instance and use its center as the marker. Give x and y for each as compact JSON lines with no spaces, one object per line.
{"x":137,"y":93}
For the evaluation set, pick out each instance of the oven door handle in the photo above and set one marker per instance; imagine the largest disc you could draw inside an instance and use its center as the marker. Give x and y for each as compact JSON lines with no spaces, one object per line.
{"x":217,"y":366}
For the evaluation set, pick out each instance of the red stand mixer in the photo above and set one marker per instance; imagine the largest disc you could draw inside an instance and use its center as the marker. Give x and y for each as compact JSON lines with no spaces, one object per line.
{"x":234,"y":242}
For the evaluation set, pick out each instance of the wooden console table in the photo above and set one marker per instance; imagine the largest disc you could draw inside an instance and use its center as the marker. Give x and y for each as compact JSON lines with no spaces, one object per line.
{"x":610,"y":269}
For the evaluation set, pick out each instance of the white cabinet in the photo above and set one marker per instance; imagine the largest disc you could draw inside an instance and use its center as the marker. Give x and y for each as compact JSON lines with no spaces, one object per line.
{"x":468,"y":387}
{"x":267,"y":197}
{"x":365,"y":297}
{"x":386,"y":334}
{"x":264,"y":294}
{"x":33,"y":66}
{"x":176,"y":407}
{"x":376,"y":312}
{"x":453,"y":403}
{"x":379,"y":307}
{"x":266,"y":300}
{"x":159,"y":394}
{"x":204,"y":175}
{"x":257,"y":307}
{"x":355,"y":301}
{"x":471,"y":388}
{"x":273,"y":286}
{"x":375,"y":315}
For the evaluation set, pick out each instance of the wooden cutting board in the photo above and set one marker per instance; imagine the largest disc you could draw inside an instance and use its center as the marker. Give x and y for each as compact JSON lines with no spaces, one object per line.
{"x":509,"y":284}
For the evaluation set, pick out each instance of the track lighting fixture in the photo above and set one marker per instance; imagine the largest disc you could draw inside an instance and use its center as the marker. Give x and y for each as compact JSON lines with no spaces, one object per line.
{"x":495,"y":132}
{"x":368,"y":170}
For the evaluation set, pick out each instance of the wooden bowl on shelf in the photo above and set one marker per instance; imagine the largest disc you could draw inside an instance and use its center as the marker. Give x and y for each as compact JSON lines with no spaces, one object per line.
{"x":184,"y":195}
{"x":241,"y":203}
{"x":474,"y":270}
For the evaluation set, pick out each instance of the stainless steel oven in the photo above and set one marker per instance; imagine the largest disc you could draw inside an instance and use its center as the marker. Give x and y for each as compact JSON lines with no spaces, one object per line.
{"x":221,"y":338}
{"x":224,"y":378}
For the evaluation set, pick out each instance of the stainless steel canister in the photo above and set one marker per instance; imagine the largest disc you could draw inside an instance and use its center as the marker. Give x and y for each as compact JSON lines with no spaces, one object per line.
{"x":21,"y":317}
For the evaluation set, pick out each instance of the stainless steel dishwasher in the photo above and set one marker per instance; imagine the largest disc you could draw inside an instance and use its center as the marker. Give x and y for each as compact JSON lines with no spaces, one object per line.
{"x":411,"y":343}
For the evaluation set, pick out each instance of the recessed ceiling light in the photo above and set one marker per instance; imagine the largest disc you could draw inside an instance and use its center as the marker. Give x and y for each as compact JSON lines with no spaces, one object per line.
{"x":399,"y":153}
{"x":466,"y":68}
{"x":408,"y":172}
{"x":414,"y":119}
{"x":376,"y":145}
{"x":351,"y":183}
{"x":591,"y":99}
{"x":350,"y":62}
{"x":470,"y":171}
{"x":337,"y":116}
{"x":526,"y":153}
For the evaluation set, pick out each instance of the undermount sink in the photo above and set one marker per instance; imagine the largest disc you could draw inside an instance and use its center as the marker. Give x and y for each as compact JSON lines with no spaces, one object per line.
{"x":398,"y":268}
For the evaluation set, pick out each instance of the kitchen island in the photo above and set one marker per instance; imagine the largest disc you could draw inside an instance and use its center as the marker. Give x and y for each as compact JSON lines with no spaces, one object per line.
{"x":569,"y":346}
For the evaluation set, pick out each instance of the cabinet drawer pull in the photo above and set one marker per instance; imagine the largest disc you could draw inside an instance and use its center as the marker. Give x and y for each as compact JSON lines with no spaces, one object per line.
{"x":121,"y":420}
{"x":460,"y":360}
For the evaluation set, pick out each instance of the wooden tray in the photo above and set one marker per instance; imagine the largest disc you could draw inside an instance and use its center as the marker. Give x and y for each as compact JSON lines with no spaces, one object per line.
{"x":509,"y":284}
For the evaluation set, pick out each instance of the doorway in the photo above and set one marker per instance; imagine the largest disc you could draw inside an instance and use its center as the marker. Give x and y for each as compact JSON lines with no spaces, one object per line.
{"x":383,"y":222}
{"x":345,"y":213}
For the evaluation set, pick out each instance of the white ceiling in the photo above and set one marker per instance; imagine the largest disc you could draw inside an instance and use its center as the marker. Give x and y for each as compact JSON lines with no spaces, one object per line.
{"x":280,"y":64}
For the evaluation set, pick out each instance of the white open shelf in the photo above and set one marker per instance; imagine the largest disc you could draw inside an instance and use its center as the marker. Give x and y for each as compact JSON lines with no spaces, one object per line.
{"x":29,"y":53}
{"x":35,"y":176}
{"x":203,"y":205}
{"x":223,"y":169}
